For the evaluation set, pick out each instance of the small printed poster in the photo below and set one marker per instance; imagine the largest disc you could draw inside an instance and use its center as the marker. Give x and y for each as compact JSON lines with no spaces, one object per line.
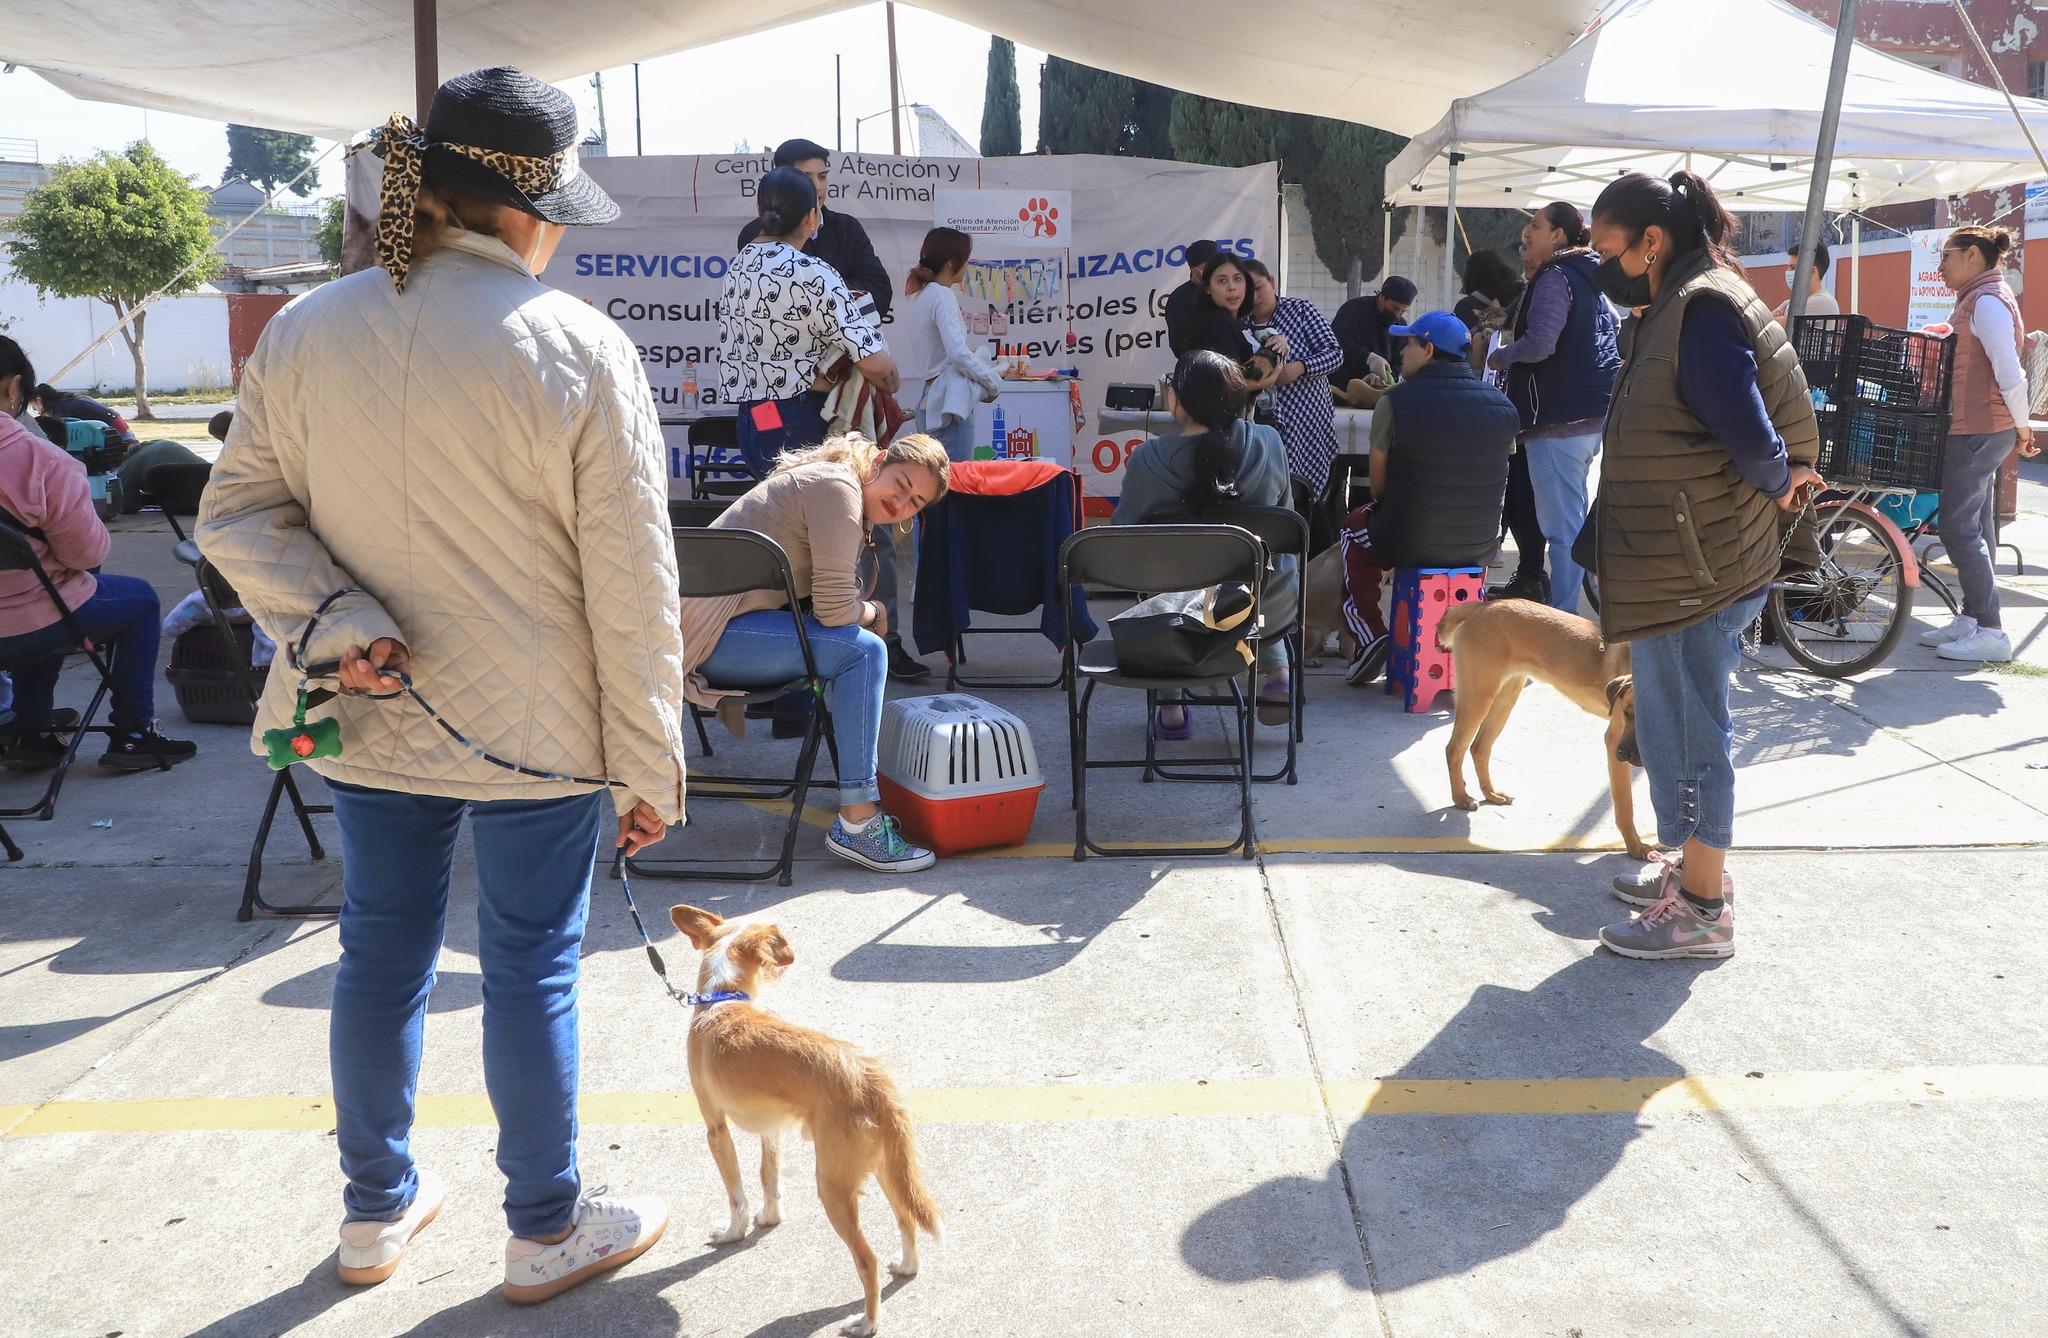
{"x":1928,"y":299}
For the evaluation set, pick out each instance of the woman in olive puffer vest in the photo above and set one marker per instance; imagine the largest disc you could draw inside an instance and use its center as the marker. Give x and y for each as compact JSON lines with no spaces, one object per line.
{"x":1709,"y":446}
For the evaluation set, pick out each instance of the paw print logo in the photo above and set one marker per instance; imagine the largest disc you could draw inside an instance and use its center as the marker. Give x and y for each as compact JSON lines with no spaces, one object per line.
{"x":1042,"y":215}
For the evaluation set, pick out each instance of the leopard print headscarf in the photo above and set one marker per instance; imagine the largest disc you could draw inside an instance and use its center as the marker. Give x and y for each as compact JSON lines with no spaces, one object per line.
{"x":402,"y":145}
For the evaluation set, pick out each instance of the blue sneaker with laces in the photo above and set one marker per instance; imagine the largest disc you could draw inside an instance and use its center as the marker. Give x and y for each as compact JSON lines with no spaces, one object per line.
{"x":878,"y":845}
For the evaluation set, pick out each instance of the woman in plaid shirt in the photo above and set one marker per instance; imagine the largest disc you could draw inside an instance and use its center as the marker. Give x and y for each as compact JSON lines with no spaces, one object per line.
{"x":1308,"y":353}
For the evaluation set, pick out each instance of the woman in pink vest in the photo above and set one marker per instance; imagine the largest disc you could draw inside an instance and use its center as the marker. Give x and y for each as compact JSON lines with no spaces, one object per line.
{"x":1988,"y":418}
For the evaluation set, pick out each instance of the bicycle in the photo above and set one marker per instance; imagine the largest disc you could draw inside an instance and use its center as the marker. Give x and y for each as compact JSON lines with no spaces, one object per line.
{"x":1851,"y":612}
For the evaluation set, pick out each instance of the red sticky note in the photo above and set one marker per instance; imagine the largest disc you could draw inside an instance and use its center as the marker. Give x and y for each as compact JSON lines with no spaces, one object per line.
{"x":767,"y":416}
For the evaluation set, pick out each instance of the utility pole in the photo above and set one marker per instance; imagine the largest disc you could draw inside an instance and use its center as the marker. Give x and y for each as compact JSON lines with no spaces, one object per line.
{"x":895,"y":87}
{"x":597,"y":82}
{"x":426,"y":55}
{"x":637,"y":149}
{"x":838,"y":105}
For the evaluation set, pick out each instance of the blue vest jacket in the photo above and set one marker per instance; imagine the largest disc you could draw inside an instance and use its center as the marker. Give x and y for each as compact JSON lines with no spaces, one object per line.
{"x":1447,"y":470}
{"x":1575,"y":382}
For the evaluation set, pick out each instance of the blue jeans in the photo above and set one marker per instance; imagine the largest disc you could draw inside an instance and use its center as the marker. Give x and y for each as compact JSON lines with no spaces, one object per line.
{"x":1968,"y":520}
{"x":759,"y":650}
{"x":123,"y":614}
{"x":533,"y":861}
{"x":1683,"y":726}
{"x":1557,"y":473}
{"x":957,"y":436}
{"x":803,"y":424}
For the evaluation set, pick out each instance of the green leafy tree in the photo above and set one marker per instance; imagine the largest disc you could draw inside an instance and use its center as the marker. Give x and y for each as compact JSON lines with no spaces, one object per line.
{"x":1085,"y":110}
{"x":270,"y":158}
{"x":331,"y":211}
{"x":1002,"y":106}
{"x":116,"y":227}
{"x":1339,"y":166}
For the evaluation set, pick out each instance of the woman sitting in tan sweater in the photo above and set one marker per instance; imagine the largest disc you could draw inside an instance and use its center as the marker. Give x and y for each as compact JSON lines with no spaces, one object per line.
{"x":820,"y":504}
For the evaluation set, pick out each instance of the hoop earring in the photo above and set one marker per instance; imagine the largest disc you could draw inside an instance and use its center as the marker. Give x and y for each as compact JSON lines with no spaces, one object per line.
{"x":1650,"y":259}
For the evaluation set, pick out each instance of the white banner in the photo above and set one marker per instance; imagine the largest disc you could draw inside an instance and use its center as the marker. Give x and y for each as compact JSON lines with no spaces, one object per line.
{"x":1928,"y":299}
{"x":1122,"y":225}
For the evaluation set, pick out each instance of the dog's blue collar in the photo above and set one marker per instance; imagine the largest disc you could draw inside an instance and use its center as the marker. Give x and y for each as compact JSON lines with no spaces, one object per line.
{"x":715,"y":997}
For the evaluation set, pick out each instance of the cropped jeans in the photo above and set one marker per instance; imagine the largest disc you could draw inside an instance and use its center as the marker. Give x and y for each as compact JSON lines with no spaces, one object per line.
{"x":533,"y":864}
{"x":760,"y":650}
{"x":1683,"y":727}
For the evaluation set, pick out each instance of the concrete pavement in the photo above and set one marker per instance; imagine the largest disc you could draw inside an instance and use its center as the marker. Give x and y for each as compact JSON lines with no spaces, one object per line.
{"x":1376,"y":1081}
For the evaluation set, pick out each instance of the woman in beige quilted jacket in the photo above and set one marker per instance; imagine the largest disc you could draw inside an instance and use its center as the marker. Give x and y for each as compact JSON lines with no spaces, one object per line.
{"x":442,"y":469}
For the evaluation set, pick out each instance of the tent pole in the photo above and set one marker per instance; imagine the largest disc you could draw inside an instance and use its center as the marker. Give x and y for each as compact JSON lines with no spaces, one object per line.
{"x":1855,"y":265}
{"x":1386,"y":241}
{"x":1418,"y":239}
{"x":1450,"y":230}
{"x":426,"y":54}
{"x":1823,"y":160}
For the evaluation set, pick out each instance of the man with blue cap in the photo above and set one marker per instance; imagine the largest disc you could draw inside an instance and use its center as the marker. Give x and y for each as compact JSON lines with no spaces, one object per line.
{"x":1440,"y":445}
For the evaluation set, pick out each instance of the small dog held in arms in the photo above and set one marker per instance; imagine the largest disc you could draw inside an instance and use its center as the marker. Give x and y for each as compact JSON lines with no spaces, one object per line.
{"x":750,"y":1068}
{"x":1496,"y":647}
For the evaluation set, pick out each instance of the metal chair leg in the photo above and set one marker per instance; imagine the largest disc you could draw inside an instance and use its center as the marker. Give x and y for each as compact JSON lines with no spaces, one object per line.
{"x":7,"y":842}
{"x":252,"y":897}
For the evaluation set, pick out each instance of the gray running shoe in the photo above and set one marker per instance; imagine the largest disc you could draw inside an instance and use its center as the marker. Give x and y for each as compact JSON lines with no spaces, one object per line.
{"x":880,"y":846}
{"x":1673,"y":928}
{"x":1645,"y":887}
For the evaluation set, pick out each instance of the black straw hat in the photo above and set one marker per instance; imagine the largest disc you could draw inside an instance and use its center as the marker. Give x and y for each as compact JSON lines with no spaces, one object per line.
{"x":507,"y":111}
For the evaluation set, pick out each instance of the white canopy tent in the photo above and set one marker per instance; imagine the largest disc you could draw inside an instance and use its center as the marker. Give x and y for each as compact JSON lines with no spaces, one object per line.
{"x":333,"y":69}
{"x":1734,"y":93}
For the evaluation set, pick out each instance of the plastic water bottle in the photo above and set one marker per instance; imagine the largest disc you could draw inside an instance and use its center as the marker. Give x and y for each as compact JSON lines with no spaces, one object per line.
{"x":690,"y":403}
{"x":999,"y":440}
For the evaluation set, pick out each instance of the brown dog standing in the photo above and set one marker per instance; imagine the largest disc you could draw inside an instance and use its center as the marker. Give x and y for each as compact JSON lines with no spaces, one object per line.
{"x":750,"y":1068}
{"x":1496,"y":648}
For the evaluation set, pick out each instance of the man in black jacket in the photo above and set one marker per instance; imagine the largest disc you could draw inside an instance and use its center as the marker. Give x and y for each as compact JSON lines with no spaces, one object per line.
{"x":1362,"y":326}
{"x":841,"y":242}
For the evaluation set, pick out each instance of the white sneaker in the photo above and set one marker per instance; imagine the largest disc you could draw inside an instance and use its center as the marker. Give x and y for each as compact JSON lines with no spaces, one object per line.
{"x":371,"y":1251}
{"x":604,"y":1234}
{"x":1986,"y":645}
{"x":1958,"y":629}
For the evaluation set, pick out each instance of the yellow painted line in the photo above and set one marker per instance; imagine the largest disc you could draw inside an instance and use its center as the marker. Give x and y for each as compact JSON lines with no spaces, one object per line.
{"x":1283,"y":1097}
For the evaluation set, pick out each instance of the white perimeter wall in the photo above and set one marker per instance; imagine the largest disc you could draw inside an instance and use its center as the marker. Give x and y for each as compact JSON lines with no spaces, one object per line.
{"x":185,"y":338}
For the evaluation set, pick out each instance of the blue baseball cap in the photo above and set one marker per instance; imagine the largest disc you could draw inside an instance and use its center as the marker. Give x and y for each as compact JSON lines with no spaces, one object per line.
{"x":1440,"y":328}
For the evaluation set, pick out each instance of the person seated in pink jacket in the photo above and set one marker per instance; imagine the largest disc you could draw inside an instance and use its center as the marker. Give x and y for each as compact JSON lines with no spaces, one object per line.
{"x":45,"y":493}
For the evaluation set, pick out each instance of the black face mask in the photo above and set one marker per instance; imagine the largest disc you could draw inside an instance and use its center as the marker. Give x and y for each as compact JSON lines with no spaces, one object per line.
{"x":1625,"y":291}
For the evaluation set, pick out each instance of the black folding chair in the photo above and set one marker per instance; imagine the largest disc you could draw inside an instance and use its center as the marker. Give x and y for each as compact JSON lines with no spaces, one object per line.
{"x":696,"y":513}
{"x":711,"y":563}
{"x":1154,"y":559}
{"x":713,"y":478}
{"x":1284,"y":533}
{"x":177,"y":489}
{"x":17,"y":555}
{"x":1349,"y":485}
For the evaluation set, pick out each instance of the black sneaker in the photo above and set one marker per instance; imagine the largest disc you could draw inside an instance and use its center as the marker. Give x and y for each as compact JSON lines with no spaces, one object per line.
{"x":1532,"y":586}
{"x":62,"y":721}
{"x":34,"y":752}
{"x":903,"y":666}
{"x":138,"y":752}
{"x":1369,"y":662}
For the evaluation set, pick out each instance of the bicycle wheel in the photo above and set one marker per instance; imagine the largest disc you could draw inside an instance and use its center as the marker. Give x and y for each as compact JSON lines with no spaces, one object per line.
{"x":1849,"y":615}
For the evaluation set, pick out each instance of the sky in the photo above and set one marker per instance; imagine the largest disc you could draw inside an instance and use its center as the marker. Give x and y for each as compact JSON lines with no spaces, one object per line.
{"x":703,"y":101}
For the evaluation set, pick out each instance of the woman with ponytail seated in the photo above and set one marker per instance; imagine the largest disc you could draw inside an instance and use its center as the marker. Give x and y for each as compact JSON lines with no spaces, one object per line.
{"x":1220,"y":460}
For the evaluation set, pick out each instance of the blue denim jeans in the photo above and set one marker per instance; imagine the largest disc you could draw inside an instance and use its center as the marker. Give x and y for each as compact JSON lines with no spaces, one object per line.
{"x":803,"y":424}
{"x":957,"y":436}
{"x":759,"y":650}
{"x":122,"y":614}
{"x":1968,"y":519}
{"x":533,"y":862}
{"x":1557,"y":473}
{"x":1683,"y":726}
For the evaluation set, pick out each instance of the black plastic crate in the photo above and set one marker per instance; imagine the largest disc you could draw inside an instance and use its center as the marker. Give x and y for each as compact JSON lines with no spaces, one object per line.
{"x":1881,"y":448}
{"x":1857,"y":363}
{"x":203,"y":675}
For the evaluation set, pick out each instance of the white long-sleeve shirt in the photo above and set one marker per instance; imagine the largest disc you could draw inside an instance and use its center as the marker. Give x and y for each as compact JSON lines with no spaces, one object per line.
{"x":929,"y":342}
{"x":1991,"y":322}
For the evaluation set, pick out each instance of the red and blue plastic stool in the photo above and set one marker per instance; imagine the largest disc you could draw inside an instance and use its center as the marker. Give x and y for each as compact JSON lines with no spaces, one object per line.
{"x":1416,"y":666}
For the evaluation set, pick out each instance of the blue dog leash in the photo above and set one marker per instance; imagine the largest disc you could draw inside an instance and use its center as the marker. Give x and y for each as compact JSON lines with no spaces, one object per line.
{"x":654,"y":953}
